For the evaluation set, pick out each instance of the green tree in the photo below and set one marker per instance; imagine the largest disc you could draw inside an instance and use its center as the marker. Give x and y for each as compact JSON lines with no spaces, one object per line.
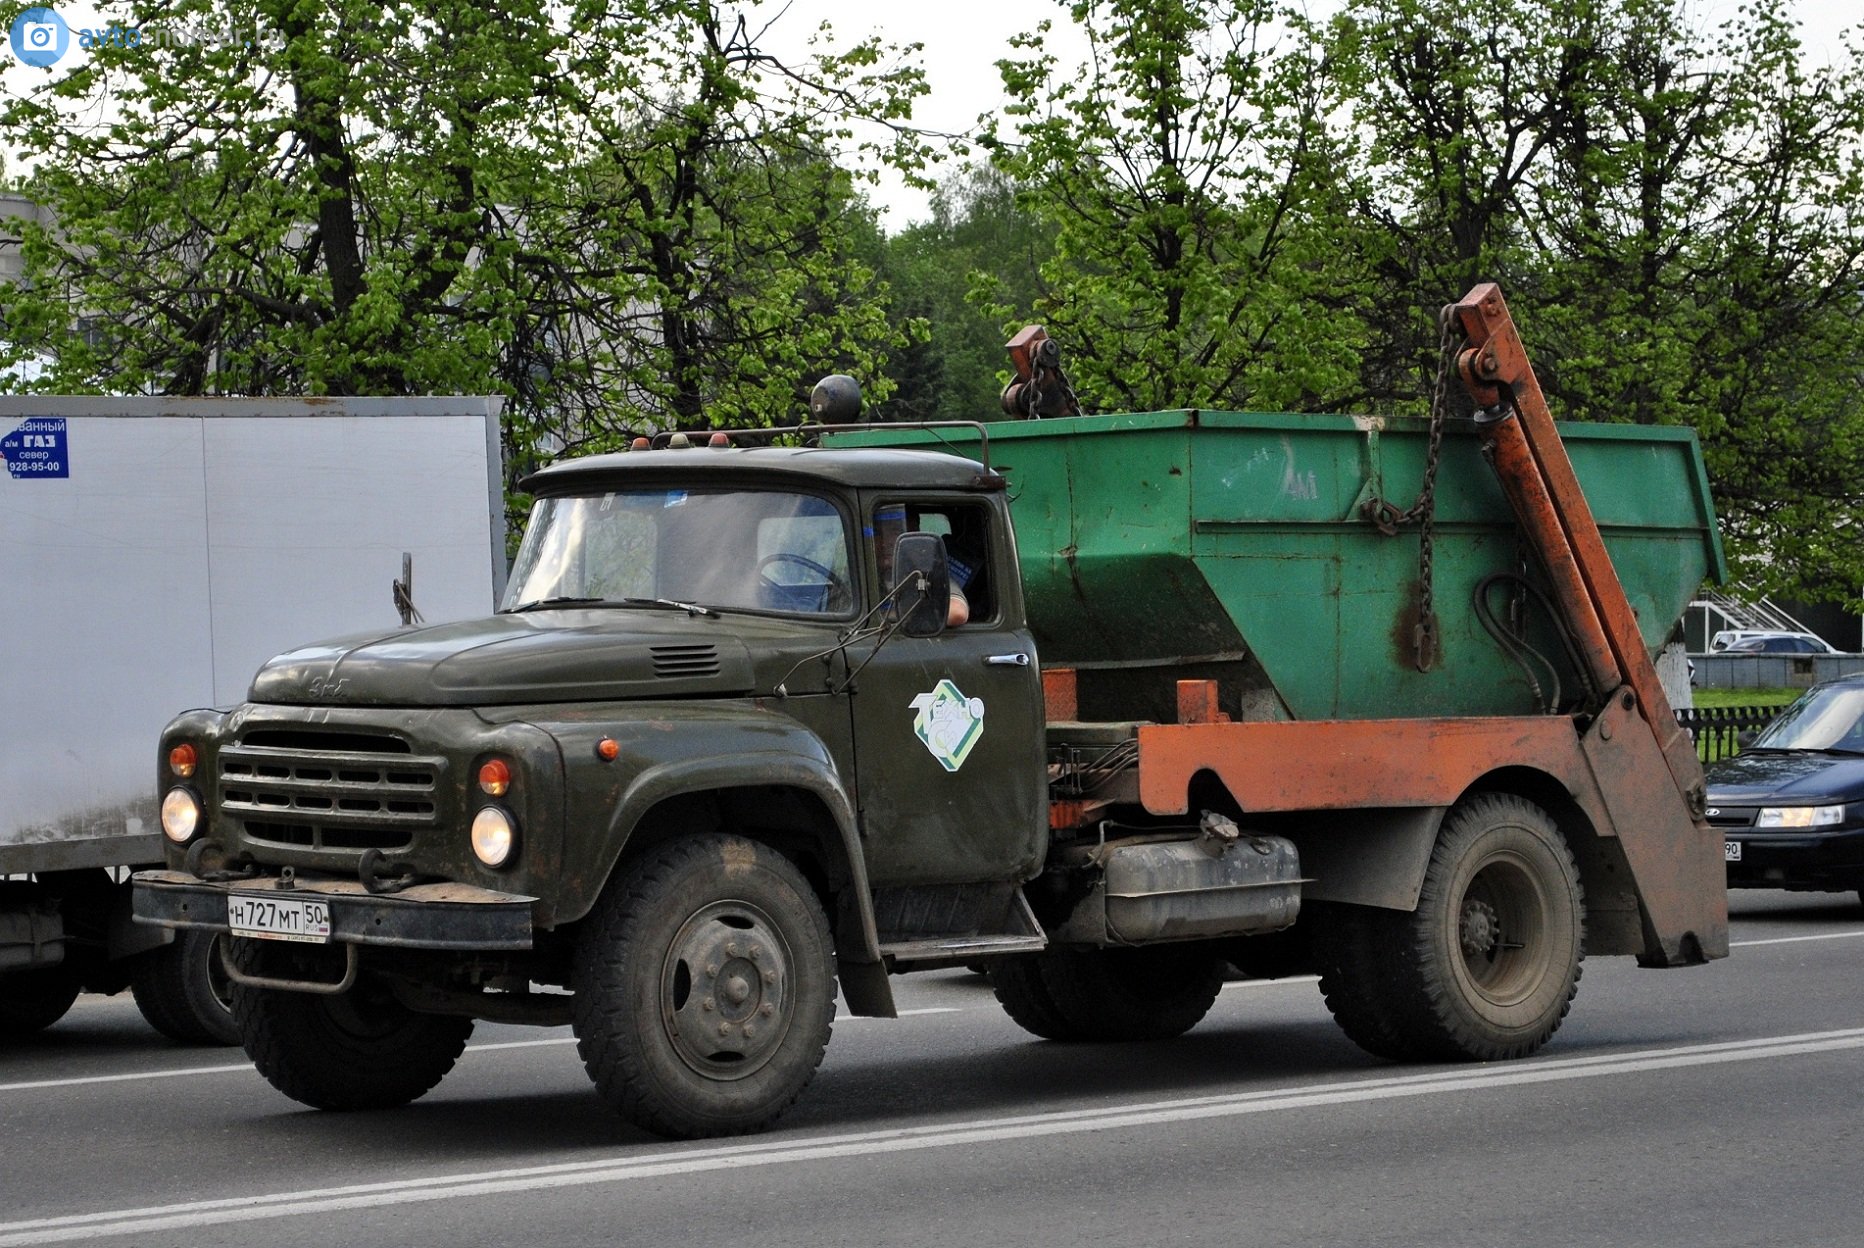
{"x":979,"y":251}
{"x":619,"y":213}
{"x":1672,"y":210}
{"x":1186,"y":181}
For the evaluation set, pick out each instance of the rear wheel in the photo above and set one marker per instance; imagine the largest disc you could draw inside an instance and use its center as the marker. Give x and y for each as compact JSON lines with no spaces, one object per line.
{"x":705,"y":987}
{"x":31,"y":1001}
{"x":1024,"y":995}
{"x":1487,"y":965}
{"x":359,"y":1049}
{"x":1150,"y":993}
{"x":183,"y":990}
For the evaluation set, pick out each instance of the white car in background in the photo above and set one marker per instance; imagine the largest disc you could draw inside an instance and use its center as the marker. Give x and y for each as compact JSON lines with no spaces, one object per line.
{"x":1766,"y":641}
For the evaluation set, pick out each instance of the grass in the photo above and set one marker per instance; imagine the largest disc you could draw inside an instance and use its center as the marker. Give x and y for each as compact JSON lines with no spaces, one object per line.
{"x":1745,"y":697}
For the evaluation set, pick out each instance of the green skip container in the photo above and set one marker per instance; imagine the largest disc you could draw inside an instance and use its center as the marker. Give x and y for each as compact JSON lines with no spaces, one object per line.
{"x":1234,"y":546}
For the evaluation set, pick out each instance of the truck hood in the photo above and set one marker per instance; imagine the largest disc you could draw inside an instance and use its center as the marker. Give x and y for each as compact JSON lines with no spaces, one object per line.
{"x":546,"y":656}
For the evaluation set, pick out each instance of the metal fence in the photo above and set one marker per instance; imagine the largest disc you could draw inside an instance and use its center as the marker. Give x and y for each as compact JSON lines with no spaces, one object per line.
{"x":1716,"y":730}
{"x":1772,"y":671}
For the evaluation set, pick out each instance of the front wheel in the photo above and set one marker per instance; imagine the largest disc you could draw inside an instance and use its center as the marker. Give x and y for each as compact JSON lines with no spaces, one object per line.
{"x":705,"y":987}
{"x":1487,"y":965}
{"x":359,"y":1049}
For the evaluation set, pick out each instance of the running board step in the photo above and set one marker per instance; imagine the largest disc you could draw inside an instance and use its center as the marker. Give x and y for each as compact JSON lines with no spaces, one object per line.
{"x":955,"y":922}
{"x":962,"y":948}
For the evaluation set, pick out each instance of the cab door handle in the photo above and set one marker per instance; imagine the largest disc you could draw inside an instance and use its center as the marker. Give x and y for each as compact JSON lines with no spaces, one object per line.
{"x":1007,"y":660}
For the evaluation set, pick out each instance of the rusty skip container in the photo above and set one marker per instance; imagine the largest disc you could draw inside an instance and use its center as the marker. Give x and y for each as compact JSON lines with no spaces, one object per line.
{"x":1236,"y":546}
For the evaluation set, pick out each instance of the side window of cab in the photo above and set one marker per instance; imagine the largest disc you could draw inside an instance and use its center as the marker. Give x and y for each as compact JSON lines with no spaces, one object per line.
{"x":966,"y":531}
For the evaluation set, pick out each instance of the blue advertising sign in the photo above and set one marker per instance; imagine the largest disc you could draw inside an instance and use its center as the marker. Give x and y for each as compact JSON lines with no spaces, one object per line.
{"x":37,"y":449}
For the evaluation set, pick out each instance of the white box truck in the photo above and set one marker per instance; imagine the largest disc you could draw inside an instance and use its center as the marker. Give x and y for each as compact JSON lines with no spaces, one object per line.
{"x":153,"y":553}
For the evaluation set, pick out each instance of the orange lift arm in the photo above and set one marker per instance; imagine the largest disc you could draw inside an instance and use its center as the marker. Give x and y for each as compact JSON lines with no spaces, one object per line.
{"x":1537,"y":476}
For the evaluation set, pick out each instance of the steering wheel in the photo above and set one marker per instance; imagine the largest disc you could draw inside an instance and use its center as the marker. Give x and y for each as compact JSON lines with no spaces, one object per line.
{"x":834,"y":589}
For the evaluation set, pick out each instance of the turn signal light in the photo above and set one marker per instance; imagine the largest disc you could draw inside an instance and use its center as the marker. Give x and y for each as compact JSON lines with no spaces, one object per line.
{"x":494,"y":777}
{"x":182,"y":760}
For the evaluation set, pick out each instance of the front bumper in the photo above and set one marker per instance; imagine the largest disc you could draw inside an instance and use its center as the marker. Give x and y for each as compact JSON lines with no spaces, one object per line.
{"x":1830,"y":861}
{"x":424,"y":916}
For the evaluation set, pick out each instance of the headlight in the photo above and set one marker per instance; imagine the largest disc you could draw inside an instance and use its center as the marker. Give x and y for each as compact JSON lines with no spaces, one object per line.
{"x":494,"y":836}
{"x":1799,"y":817}
{"x":181,"y":815}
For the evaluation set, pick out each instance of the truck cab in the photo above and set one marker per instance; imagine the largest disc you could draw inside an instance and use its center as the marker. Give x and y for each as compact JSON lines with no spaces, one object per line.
{"x":693,"y":642}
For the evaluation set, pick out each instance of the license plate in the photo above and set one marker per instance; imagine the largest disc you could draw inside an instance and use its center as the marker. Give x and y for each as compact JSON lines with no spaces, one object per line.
{"x":279,"y":918}
{"x":1731,"y":851}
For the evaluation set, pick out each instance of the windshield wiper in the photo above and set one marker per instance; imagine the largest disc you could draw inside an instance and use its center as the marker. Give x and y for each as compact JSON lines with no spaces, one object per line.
{"x":566,"y":600}
{"x":690,"y":608}
{"x":562,"y":601}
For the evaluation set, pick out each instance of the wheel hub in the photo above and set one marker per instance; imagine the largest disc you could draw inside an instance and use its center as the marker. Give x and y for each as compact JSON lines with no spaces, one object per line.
{"x":1480,"y":930}
{"x":726,"y":991}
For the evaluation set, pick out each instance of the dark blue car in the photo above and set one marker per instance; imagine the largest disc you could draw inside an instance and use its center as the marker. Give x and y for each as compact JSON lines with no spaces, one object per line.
{"x":1790,"y":806}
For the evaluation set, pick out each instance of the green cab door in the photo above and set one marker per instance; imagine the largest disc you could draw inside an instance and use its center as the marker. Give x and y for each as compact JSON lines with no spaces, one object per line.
{"x":948,"y":730}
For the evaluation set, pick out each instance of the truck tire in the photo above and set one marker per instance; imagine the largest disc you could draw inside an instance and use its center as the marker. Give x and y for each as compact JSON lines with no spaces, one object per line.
{"x":1487,"y":965}
{"x":31,"y":1001}
{"x":1151,"y":993}
{"x":704,"y":987}
{"x":183,"y":991}
{"x":359,"y":1049}
{"x":1356,"y":951}
{"x":1024,"y":995}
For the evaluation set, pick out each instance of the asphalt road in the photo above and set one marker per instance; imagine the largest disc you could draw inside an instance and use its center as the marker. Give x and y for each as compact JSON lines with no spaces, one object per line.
{"x":1714,"y":1106}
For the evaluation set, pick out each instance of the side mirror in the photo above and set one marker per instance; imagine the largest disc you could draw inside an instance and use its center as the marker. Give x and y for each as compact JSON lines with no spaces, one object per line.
{"x":1747,"y":737}
{"x":922,"y":575}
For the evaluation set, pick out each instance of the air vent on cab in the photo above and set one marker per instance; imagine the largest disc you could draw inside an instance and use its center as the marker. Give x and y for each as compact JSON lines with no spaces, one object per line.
{"x":680,"y":662}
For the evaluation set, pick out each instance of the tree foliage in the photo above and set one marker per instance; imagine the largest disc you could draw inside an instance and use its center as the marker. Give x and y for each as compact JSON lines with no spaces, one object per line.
{"x":623,"y":213}
{"x":1251,"y":210}
{"x":618,"y":213}
{"x":1673,"y":210}
{"x":979,"y":253}
{"x":1187,"y":181}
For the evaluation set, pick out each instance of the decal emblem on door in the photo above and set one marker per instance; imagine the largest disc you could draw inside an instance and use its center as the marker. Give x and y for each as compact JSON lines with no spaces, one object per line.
{"x":949,"y":723}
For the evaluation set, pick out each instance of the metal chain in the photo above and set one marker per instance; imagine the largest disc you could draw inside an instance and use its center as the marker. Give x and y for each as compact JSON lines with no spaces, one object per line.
{"x":1386,"y":518}
{"x":1424,"y":510}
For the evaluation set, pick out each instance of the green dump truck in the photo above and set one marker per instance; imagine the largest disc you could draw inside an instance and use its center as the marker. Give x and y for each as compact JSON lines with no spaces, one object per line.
{"x":730,"y":745}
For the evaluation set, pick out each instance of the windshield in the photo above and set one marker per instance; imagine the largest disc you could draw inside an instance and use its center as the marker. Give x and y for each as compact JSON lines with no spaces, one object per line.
{"x":753,"y":550}
{"x":1830,"y":717}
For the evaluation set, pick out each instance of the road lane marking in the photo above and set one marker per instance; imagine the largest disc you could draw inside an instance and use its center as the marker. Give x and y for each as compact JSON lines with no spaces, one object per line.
{"x":1792,"y":940}
{"x":78,"y":1081}
{"x":81,"y":1080}
{"x":1271,"y":983}
{"x":679,"y":1161}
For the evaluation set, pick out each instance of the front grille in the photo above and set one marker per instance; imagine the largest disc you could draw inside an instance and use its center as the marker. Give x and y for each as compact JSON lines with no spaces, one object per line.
{"x":1731,"y":816}
{"x":673,"y":661}
{"x":329,"y":791}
